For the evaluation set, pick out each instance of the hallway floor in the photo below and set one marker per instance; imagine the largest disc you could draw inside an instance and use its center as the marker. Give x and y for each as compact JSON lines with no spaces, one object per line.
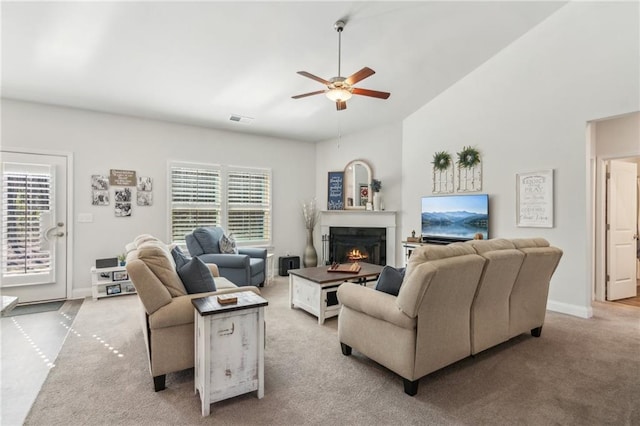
{"x":632,"y":301}
{"x":29,"y":346}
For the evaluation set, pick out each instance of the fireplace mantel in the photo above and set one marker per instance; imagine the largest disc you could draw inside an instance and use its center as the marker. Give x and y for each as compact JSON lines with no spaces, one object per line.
{"x":363,"y":218}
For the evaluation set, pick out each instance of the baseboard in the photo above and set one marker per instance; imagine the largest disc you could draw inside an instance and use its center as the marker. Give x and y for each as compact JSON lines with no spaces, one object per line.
{"x":81,"y":293}
{"x":565,"y":308}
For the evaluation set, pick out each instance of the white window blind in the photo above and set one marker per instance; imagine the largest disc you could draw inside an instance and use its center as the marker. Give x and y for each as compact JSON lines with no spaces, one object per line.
{"x":249,"y":204}
{"x":235,"y":198}
{"x":25,"y":196}
{"x":195,"y":199}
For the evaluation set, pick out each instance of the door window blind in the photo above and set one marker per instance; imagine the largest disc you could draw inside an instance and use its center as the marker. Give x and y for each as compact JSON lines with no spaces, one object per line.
{"x":25,"y":196}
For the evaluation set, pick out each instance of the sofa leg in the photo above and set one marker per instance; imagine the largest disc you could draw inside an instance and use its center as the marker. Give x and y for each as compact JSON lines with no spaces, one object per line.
{"x":535,"y":332}
{"x":346,"y":349}
{"x":410,"y":387}
{"x":159,"y":382}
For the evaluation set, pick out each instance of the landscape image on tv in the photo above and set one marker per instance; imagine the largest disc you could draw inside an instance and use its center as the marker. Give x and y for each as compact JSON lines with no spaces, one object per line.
{"x":458,"y":217}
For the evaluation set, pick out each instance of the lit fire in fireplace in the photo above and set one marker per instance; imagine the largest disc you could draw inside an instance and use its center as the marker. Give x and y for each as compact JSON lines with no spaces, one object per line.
{"x":355,"y":255}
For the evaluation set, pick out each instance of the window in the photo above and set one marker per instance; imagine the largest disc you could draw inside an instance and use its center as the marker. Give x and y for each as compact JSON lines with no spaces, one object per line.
{"x":248,"y":202}
{"x":195,"y":199}
{"x":238,"y":199}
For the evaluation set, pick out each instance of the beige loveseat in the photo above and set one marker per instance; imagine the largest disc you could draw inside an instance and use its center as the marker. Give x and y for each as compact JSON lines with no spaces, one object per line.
{"x":455,"y":301}
{"x":167,"y":312}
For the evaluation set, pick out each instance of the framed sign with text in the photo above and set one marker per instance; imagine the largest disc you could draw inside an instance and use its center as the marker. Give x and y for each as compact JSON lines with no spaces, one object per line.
{"x":335,"y":191}
{"x":534,"y":199}
{"x":122,"y":177}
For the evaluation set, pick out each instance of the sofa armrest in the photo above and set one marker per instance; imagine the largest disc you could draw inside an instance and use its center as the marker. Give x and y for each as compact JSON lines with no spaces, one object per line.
{"x":180,"y":310}
{"x":239,"y":261}
{"x":374,"y":303}
{"x":254,"y":252}
{"x":214,"y":269}
{"x":152,"y":292}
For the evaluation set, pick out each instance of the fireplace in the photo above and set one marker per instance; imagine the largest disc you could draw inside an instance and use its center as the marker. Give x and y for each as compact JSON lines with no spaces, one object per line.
{"x":385,"y":220}
{"x":357,"y":244}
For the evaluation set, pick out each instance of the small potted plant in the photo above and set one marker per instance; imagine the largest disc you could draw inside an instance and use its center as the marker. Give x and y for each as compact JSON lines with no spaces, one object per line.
{"x":122,"y":258}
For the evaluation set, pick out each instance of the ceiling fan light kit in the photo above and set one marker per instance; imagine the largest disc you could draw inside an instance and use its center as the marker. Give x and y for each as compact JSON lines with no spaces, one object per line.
{"x":340,"y":89}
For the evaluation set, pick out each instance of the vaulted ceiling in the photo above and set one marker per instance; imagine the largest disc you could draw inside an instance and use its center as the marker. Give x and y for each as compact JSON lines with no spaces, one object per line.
{"x":199,"y":63}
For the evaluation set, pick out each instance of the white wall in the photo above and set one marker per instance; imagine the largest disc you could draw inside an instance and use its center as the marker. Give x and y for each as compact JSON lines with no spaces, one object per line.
{"x":381,"y":148}
{"x":526,"y":109}
{"x":101,"y":142}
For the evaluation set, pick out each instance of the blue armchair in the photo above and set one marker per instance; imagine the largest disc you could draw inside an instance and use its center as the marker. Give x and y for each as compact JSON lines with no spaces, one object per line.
{"x":245,"y":268}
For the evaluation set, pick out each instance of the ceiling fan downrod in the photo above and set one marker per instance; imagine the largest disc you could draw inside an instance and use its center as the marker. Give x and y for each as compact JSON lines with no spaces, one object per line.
{"x":339,"y":26}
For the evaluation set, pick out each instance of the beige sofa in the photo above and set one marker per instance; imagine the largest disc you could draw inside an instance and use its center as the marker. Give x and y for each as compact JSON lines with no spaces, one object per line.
{"x":455,"y":301}
{"x":167,"y":312}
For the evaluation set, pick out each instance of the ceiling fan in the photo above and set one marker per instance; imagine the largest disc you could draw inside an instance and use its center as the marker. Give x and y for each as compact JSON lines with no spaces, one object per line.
{"x":340,"y":89}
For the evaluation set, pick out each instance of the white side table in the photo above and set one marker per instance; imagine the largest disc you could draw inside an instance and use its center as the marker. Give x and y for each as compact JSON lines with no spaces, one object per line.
{"x":270,"y":268}
{"x":229,"y":347}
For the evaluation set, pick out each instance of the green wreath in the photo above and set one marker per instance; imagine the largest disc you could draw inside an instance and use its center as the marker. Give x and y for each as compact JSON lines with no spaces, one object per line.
{"x":468,"y":157}
{"x":441,"y":161}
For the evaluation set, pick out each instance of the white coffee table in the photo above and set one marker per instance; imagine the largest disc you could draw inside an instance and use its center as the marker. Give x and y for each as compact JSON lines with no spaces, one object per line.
{"x":314,"y":289}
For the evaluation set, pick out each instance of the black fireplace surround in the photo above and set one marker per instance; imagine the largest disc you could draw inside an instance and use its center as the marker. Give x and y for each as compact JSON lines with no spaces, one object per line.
{"x":350,"y":244}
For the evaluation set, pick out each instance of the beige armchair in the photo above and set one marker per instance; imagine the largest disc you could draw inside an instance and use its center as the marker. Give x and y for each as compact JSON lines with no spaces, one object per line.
{"x":166,"y":310}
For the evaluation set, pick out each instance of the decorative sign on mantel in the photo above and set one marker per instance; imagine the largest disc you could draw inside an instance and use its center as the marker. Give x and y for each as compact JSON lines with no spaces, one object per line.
{"x":335,"y":191}
{"x":534,"y":199}
{"x":122,"y":177}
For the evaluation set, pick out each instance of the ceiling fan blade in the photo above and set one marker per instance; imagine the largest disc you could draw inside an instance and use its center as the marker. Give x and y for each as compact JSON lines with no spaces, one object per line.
{"x":304,"y":95}
{"x":372,"y":93}
{"x":314,"y":77}
{"x":360,"y":75}
{"x":341,"y":105}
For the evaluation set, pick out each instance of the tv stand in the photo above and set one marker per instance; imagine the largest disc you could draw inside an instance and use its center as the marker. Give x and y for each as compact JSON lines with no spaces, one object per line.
{"x":441,"y":241}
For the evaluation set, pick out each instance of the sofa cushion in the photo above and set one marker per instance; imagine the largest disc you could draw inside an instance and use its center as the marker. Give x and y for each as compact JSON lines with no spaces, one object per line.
{"x":161,"y":264}
{"x":390,"y":280}
{"x":484,"y":246}
{"x":208,"y":238}
{"x":522,"y":243}
{"x":179,"y":258}
{"x":227,"y":244}
{"x":196,"y":276}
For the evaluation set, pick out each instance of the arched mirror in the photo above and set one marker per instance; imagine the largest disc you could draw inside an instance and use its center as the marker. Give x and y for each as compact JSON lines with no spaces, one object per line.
{"x":357,"y":185}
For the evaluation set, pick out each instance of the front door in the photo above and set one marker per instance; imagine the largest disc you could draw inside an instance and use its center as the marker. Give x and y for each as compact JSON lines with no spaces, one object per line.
{"x":34,"y":226}
{"x":622,"y":219}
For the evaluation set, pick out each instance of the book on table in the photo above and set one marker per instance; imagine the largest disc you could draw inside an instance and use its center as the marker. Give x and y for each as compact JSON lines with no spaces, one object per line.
{"x":348,"y":267}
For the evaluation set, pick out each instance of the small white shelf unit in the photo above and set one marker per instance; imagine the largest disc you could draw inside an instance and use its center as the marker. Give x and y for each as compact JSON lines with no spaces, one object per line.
{"x":109,"y":282}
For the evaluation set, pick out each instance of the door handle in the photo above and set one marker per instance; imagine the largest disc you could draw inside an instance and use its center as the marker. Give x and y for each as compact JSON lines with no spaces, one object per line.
{"x":47,"y":234}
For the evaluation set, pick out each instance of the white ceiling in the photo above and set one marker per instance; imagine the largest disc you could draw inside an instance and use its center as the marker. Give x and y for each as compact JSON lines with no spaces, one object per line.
{"x":198,"y":63}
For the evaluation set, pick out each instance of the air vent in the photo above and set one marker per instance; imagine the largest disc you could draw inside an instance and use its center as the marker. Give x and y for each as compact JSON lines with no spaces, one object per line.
{"x":240,"y":119}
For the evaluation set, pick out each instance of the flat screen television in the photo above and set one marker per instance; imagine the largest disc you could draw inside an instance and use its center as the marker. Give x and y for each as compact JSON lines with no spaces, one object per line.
{"x":453,"y":218}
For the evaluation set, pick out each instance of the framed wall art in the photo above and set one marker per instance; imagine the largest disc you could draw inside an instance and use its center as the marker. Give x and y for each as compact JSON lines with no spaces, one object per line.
{"x":534,"y":199}
{"x":335,"y":191}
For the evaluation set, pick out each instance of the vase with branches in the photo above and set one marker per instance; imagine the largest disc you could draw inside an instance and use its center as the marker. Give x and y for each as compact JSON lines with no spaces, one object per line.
{"x":376,"y":186}
{"x":310,"y":214}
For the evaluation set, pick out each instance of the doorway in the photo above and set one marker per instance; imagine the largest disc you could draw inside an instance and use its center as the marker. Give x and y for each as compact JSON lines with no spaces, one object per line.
{"x":610,"y":139}
{"x":34,"y":226}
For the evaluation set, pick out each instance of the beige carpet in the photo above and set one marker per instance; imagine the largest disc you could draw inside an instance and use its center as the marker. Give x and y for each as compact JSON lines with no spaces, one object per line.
{"x":580,"y":372}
